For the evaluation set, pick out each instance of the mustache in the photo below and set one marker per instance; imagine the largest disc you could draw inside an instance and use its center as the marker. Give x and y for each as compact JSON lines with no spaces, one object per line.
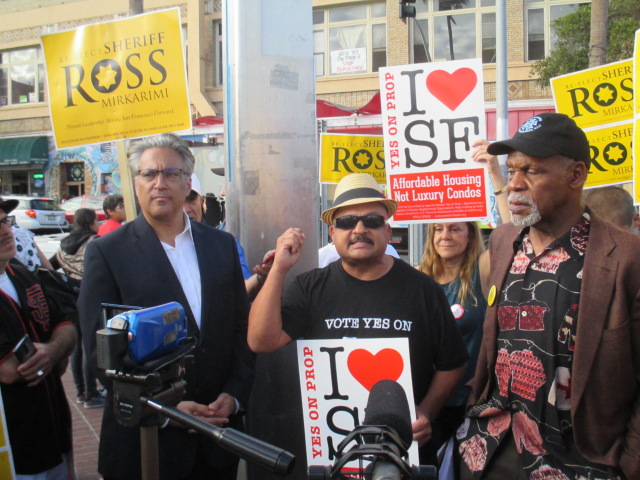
{"x":518,"y":197}
{"x":360,"y":239}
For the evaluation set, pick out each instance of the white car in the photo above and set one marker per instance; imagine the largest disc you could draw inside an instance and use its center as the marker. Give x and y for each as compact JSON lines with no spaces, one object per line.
{"x":38,"y":213}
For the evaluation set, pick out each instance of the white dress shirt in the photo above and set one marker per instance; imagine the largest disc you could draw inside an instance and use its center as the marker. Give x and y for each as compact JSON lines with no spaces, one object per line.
{"x":184,"y":261}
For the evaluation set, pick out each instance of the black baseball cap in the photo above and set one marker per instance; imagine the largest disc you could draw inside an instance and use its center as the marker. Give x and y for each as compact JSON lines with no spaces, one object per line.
{"x":546,"y":135}
{"x":8,"y":205}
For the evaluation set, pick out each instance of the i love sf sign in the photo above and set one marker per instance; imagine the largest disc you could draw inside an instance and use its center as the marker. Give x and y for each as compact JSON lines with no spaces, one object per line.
{"x":335,"y":379}
{"x":431,"y":115}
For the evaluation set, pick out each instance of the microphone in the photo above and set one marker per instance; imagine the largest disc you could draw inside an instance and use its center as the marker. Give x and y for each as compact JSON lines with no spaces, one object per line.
{"x":263,"y":454}
{"x":388,"y":406}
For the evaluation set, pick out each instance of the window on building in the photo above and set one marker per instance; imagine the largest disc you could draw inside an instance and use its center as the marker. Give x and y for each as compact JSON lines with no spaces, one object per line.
{"x":488,"y":38}
{"x":217,"y":53}
{"x":350,"y":40}
{"x":454,"y":30}
{"x":22,"y":77}
{"x":540,"y":14}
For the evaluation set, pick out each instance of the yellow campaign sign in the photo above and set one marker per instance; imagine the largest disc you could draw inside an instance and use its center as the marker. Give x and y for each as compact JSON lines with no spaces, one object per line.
{"x":636,"y":123}
{"x":596,"y":96}
{"x":636,"y":157}
{"x":611,"y":160}
{"x":115,"y":80}
{"x":341,"y":155}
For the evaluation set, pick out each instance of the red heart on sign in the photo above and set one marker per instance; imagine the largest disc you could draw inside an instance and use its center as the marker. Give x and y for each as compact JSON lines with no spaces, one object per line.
{"x":369,"y":369}
{"x":452,"y":88}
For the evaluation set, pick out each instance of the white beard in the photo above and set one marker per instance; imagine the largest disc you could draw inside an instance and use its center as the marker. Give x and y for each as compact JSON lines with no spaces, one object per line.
{"x":531,"y":219}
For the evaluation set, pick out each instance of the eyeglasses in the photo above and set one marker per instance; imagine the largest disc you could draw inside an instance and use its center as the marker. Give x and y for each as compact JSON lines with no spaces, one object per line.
{"x":9,"y":221}
{"x":170,"y":174}
{"x":349,"y":222}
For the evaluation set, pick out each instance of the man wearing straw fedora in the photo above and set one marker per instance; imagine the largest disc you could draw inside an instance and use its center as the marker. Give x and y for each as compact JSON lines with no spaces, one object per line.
{"x":367,"y":294}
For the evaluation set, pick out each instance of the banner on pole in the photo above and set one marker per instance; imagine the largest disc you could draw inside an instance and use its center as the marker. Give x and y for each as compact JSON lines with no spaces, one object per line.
{"x":596,"y":96}
{"x":117,"y":80}
{"x":335,"y":379}
{"x":341,"y":155}
{"x":431,"y":115}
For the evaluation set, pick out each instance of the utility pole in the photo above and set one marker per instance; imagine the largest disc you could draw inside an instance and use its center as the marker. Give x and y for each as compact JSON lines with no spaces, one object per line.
{"x":128,"y":194}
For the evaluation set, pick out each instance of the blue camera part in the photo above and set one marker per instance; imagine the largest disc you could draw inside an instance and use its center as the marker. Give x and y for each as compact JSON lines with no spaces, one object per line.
{"x":153,"y":332}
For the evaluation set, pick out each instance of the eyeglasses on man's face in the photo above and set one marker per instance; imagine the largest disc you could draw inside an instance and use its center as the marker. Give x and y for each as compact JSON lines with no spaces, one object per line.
{"x":170,"y":174}
{"x":349,"y":222}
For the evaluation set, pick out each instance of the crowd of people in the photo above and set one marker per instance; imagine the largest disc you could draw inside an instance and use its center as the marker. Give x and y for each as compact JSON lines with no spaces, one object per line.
{"x":525,"y":356}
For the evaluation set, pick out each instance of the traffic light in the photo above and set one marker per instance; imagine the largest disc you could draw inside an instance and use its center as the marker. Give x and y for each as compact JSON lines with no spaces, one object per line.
{"x":407,"y":9}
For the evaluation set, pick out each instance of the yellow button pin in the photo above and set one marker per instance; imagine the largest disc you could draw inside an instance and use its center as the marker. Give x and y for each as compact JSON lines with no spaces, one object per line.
{"x":492,"y":295}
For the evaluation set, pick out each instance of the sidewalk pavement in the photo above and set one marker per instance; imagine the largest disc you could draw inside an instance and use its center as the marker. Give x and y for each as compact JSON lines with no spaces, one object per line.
{"x":86,"y":433}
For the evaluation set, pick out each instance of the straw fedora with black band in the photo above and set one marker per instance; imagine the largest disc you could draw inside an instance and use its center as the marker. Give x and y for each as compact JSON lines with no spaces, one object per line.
{"x":355,"y":189}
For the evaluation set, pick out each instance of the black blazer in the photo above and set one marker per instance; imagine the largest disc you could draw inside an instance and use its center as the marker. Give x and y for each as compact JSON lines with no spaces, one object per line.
{"x":130,"y":267}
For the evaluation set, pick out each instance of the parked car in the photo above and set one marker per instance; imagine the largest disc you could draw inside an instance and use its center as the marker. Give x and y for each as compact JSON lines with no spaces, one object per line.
{"x":38,"y":213}
{"x":85,"y":201}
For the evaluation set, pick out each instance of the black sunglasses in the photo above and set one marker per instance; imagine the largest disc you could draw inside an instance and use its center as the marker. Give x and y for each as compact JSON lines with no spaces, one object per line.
{"x":348,"y":222}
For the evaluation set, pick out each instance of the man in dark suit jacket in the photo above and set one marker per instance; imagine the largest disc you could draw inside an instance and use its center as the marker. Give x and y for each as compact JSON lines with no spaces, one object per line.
{"x":158,"y":258}
{"x":558,"y":368}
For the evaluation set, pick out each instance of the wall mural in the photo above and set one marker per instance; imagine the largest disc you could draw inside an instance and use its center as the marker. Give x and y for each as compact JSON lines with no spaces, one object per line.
{"x":101,"y":168}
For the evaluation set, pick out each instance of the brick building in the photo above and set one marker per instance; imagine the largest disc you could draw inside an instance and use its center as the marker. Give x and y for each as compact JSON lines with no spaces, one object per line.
{"x":369,"y":30}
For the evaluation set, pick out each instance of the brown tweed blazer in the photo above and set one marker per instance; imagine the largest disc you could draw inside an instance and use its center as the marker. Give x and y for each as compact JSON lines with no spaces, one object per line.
{"x":605,"y":398}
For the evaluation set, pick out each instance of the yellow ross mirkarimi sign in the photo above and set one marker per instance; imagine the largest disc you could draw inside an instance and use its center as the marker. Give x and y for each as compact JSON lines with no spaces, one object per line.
{"x":341,"y":155}
{"x":116,"y":80}
{"x":596,"y":96}
{"x":636,"y":122}
{"x":611,"y":155}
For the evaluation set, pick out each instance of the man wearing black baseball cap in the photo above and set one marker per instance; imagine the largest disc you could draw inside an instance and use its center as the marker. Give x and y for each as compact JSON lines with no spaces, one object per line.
{"x":556,"y":392}
{"x":35,"y":405}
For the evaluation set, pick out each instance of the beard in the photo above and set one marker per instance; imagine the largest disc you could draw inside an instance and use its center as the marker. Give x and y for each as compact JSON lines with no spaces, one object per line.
{"x":531,"y":219}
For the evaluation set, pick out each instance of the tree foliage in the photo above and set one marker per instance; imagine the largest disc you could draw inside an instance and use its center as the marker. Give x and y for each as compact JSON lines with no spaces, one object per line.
{"x":571,"y":51}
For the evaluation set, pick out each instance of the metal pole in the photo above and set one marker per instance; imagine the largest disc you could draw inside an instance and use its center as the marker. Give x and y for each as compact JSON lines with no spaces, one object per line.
{"x":502,"y":82}
{"x":272,"y":179}
{"x":149,"y":453}
{"x":270,"y":126}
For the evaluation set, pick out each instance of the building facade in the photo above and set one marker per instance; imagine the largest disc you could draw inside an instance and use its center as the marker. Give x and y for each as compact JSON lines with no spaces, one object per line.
{"x":351,"y":39}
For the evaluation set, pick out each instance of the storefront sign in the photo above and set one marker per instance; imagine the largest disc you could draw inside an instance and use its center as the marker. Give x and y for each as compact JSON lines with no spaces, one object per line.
{"x":341,"y":155}
{"x":335,"y":379}
{"x":115,"y":80}
{"x":347,"y":61}
{"x":596,"y":96}
{"x":431,"y":115}
{"x":611,"y":161}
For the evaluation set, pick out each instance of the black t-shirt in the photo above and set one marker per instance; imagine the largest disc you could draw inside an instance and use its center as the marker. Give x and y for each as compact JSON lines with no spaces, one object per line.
{"x":328,"y":303}
{"x":38,"y":418}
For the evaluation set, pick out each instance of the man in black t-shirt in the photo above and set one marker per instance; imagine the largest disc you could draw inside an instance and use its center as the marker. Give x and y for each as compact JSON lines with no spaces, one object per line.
{"x":367,"y":294}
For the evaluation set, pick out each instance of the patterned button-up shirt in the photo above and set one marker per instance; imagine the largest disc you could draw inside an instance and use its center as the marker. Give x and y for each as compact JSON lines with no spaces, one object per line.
{"x":537,"y":316}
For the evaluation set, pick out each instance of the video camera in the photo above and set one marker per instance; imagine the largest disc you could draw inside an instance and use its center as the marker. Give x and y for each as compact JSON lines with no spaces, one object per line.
{"x":144,"y":352}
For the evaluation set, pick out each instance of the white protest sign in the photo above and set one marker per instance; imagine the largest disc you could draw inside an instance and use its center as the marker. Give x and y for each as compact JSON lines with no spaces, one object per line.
{"x":335,"y":379}
{"x":347,"y":61}
{"x":431,"y":115}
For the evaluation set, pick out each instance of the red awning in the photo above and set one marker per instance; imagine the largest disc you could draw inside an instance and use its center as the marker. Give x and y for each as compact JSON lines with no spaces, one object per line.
{"x":326,"y":109}
{"x":208,"y":120}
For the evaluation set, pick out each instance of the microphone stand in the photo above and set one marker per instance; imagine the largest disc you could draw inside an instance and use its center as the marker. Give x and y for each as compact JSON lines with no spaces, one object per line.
{"x":140,"y":397}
